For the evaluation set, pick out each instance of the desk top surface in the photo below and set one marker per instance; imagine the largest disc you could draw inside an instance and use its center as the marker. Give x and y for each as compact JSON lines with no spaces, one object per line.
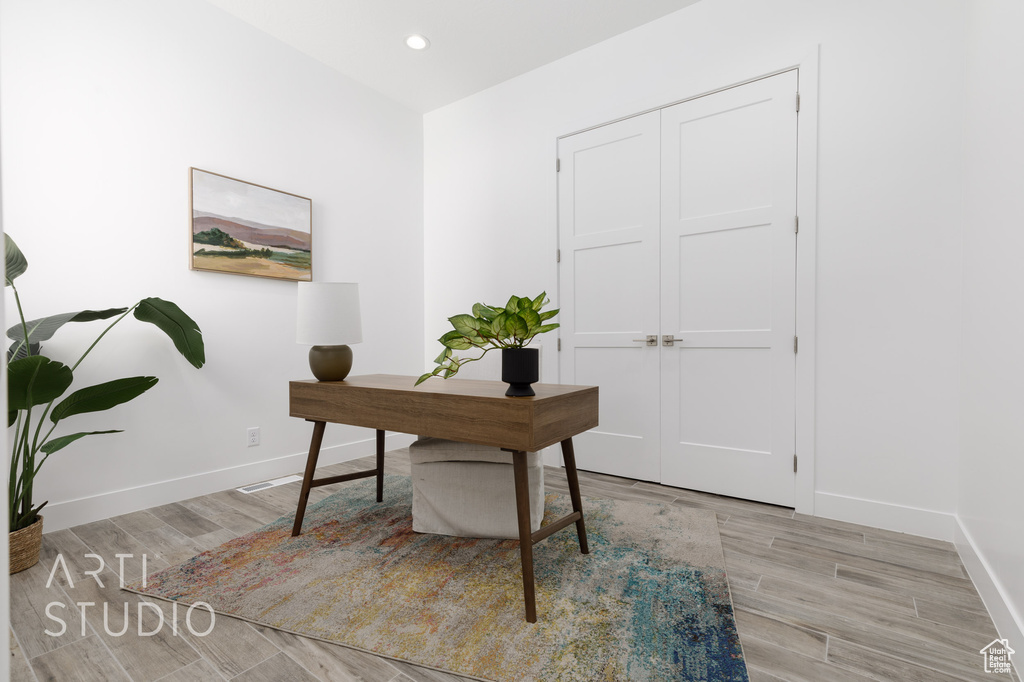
{"x":458,"y":409}
{"x":461,"y":387}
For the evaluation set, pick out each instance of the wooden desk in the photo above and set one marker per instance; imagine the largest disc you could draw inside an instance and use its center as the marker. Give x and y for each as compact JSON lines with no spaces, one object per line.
{"x":455,"y":409}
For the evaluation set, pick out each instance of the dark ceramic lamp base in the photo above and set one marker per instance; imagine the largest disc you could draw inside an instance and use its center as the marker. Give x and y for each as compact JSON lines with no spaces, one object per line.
{"x":330,"y":363}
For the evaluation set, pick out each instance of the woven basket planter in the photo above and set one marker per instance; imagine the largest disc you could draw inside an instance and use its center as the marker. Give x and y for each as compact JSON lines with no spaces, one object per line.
{"x":24,"y":546}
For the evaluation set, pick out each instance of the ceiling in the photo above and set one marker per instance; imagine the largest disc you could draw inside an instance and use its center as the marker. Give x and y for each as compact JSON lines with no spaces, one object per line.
{"x":474,"y":44}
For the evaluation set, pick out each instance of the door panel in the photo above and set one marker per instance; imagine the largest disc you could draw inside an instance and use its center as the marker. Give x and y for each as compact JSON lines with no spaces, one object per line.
{"x":725,"y":265}
{"x":609,"y":213}
{"x":724,"y":161}
{"x":728,"y":265}
{"x":733,"y":408}
{"x":598,"y":291}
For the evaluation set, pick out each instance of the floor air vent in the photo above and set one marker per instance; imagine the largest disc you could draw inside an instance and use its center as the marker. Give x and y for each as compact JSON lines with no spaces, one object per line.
{"x":256,"y":487}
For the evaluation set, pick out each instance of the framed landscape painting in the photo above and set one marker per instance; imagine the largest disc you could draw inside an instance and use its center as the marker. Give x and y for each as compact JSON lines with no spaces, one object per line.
{"x":245,"y":229}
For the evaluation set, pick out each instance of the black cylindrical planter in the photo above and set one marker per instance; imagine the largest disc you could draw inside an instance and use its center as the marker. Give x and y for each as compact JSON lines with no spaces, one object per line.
{"x":519,"y":369}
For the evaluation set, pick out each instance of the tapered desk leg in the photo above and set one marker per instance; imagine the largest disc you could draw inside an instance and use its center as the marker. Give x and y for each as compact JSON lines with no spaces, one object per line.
{"x":522,"y":477}
{"x":380,"y":465}
{"x":569,"y":456}
{"x":307,"y":479}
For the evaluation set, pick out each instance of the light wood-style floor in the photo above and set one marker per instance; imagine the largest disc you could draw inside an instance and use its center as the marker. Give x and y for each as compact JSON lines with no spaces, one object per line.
{"x":815,"y":600}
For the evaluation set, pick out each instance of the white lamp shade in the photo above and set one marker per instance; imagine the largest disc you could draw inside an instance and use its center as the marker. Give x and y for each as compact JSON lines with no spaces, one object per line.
{"x":328,"y":314}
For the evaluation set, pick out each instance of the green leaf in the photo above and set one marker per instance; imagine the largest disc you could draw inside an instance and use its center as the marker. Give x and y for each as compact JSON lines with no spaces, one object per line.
{"x":52,"y":446}
{"x":445,"y":354}
{"x":498,"y":325}
{"x":36,"y":380}
{"x":19,"y":350}
{"x":102,"y":396}
{"x":423,"y":378}
{"x":516,"y":326}
{"x":25,"y":520}
{"x":465,"y":324}
{"x":45,"y":327}
{"x":15,"y":263}
{"x":531,"y":318}
{"x":484,"y":312}
{"x":548,"y":314}
{"x":512,"y":307}
{"x":540,"y":301}
{"x":182,"y":329}
{"x":455,"y":341}
{"x":547,"y":328}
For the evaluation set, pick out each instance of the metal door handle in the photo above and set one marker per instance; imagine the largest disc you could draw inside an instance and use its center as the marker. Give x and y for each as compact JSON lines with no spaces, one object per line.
{"x":651,"y":340}
{"x":669,"y":339}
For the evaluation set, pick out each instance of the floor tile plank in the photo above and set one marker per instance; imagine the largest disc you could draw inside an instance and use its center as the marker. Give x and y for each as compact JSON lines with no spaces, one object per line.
{"x":184,"y":520}
{"x":200,"y":671}
{"x":19,"y":668}
{"x":870,"y":557}
{"x":231,"y":646}
{"x":262,"y":511}
{"x":879,"y":666}
{"x":792,"y":667}
{"x":916,"y":584}
{"x":828,"y":593}
{"x":86,"y":660}
{"x":223,"y":515}
{"x":967,"y":619}
{"x":109,"y":540}
{"x":798,"y":640}
{"x":276,"y":669}
{"x":331,"y":662}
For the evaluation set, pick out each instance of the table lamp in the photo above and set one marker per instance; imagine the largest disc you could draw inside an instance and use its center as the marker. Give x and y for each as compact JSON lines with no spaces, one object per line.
{"x":328,"y":318}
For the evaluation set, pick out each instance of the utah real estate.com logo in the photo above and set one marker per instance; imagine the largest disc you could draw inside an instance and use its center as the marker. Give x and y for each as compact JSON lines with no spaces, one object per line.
{"x":997,"y":656}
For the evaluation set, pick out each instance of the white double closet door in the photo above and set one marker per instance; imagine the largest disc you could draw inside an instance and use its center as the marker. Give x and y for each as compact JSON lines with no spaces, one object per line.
{"x":680,"y":224}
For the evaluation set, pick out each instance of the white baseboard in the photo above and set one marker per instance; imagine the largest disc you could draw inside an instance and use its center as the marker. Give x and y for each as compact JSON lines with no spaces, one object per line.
{"x":62,"y":515}
{"x":924,"y":522}
{"x":1008,"y":622}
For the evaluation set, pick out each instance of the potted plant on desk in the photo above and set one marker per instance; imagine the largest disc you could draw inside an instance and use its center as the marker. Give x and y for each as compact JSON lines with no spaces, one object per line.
{"x":35,"y":383}
{"x":510,"y":328}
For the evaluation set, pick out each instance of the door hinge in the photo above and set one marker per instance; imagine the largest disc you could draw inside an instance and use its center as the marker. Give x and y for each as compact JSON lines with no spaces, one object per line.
{"x":558,"y":165}
{"x":558,"y":255}
{"x":559,"y":344}
{"x":796,"y":224}
{"x":796,"y":343}
{"x":798,"y":102}
{"x":794,"y":463}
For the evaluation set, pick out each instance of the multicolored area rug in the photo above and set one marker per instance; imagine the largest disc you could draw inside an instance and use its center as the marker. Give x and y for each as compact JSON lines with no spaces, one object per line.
{"x":650,"y":602}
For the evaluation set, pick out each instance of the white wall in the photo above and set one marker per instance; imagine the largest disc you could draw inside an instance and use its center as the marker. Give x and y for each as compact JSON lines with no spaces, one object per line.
{"x":890,"y":178}
{"x":105,"y":106}
{"x":991,"y":503}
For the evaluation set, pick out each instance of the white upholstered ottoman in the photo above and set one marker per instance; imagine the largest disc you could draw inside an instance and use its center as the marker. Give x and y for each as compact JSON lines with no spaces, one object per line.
{"x":469,"y":490}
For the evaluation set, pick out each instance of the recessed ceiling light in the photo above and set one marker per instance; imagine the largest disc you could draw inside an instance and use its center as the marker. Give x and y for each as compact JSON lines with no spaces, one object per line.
{"x":417,"y":42}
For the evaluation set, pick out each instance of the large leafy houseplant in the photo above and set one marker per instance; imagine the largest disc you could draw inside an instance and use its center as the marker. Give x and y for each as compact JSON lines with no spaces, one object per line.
{"x":513,"y":325}
{"x":35,"y":383}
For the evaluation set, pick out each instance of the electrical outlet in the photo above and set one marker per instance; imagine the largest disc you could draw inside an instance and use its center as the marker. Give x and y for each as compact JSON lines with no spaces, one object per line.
{"x":252,"y":436}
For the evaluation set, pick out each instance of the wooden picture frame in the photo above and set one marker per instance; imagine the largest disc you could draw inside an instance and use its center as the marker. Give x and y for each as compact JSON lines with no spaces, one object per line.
{"x":242,"y":228}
